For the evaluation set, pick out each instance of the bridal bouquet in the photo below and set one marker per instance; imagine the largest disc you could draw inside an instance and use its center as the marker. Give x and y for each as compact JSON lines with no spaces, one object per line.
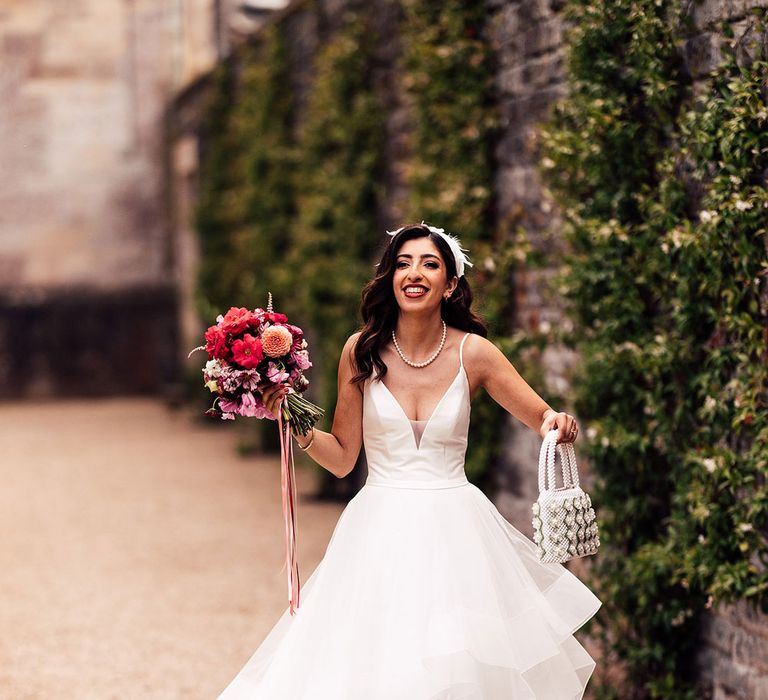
{"x":245,"y":349}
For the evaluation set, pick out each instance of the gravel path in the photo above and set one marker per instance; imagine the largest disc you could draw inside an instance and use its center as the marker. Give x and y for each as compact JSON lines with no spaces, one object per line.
{"x":140,"y":557}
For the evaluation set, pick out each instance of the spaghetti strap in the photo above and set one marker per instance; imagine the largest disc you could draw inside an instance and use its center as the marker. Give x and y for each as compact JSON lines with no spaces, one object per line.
{"x":461,"y":349}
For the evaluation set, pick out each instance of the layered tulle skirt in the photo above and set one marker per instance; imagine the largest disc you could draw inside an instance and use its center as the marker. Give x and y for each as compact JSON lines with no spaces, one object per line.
{"x":426,"y":594}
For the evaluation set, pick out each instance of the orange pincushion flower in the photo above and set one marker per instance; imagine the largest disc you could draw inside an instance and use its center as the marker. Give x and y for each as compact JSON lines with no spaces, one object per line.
{"x":276,"y":341}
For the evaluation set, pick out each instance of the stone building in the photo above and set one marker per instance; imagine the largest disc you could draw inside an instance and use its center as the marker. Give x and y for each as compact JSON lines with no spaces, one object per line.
{"x":89,"y":263}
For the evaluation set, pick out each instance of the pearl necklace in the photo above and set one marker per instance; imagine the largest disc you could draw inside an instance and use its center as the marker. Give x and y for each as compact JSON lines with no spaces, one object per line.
{"x":426,"y":362}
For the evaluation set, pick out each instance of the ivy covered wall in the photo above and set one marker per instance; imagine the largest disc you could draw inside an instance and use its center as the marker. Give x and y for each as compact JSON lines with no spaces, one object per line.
{"x":663,"y":193}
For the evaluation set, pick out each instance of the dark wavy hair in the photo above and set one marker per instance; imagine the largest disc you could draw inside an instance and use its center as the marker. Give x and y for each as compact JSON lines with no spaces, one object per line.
{"x":379,"y":308}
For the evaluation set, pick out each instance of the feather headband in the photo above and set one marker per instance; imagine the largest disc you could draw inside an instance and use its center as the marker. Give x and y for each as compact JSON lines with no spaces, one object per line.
{"x":453,"y":243}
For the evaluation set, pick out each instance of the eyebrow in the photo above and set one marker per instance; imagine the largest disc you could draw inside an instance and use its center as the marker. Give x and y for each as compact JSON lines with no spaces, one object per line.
{"x":423,"y":255}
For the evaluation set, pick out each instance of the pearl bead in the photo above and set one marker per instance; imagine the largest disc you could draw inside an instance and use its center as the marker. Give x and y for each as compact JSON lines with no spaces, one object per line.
{"x":426,"y":362}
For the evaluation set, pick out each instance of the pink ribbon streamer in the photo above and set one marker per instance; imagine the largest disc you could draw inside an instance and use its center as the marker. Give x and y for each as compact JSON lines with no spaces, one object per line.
{"x":288,"y":479}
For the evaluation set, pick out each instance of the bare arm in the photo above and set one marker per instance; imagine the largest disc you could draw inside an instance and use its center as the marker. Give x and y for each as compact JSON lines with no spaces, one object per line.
{"x":505,"y":386}
{"x":338,"y":450}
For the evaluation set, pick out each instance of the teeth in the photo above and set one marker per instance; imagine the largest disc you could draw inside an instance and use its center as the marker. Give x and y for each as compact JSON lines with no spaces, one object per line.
{"x":415,"y":290}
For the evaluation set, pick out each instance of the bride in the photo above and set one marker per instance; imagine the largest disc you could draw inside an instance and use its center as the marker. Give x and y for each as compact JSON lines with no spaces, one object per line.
{"x":425,"y":591}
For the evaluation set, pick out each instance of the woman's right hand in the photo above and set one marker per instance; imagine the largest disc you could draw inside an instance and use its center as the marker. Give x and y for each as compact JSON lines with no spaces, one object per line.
{"x":271,"y":395}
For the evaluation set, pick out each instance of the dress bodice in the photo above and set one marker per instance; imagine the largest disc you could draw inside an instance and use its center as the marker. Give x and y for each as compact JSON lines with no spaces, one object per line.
{"x":395,"y":454}
{"x":418,"y":428}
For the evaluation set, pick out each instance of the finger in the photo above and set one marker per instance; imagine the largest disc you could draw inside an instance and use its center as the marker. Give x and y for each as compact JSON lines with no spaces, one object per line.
{"x":271,"y":389}
{"x":269,"y":395}
{"x":561,"y":424}
{"x":277,"y":398}
{"x":564,"y":422}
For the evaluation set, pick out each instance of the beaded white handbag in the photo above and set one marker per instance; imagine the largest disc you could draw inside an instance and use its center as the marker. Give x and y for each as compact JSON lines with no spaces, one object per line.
{"x":564,"y":524}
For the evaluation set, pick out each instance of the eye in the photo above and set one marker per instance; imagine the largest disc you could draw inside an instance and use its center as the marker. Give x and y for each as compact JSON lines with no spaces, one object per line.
{"x":432,"y":265}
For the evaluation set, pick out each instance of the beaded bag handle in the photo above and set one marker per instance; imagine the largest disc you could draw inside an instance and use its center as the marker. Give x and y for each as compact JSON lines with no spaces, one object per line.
{"x":567,"y":463}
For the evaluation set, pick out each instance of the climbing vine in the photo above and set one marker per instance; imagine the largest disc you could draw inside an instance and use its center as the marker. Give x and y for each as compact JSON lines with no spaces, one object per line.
{"x":248,"y":179}
{"x":336,"y":230}
{"x":447,"y":71}
{"x":665,"y":208}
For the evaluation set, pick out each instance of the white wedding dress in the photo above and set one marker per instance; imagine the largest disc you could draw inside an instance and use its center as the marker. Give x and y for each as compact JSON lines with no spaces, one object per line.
{"x":425,"y":591}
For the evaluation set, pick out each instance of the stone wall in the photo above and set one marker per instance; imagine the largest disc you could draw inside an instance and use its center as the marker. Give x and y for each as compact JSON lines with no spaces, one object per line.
{"x":88,"y":261}
{"x":529,"y":39}
{"x":733,"y":660}
{"x":734,"y":656}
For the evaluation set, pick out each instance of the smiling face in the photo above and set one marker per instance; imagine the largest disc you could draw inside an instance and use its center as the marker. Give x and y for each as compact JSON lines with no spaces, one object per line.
{"x":420,"y":264}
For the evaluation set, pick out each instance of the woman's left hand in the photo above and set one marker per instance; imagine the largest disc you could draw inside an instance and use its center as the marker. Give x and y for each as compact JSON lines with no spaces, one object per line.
{"x":564,"y":422}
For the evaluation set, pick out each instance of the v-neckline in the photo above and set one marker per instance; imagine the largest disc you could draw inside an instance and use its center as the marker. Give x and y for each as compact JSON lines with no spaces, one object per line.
{"x":416,"y":445}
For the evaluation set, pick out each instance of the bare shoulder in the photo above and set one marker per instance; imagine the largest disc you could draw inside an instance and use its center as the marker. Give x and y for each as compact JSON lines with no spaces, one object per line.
{"x":477,"y":348}
{"x":349,"y":345}
{"x":481,"y":356}
{"x":347,"y":366}
{"x":353,"y":338}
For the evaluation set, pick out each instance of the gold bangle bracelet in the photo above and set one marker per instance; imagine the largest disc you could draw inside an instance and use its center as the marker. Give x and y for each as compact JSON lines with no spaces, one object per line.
{"x":309,"y":444}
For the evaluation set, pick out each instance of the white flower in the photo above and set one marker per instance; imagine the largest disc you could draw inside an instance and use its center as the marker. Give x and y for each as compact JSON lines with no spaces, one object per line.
{"x":745,"y":527}
{"x":741,"y":204}
{"x":709,"y":403}
{"x":706,"y":215}
{"x":710,"y":464}
{"x":213,"y":368}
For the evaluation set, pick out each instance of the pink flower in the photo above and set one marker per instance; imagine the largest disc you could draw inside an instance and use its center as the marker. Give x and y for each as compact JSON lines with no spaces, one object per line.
{"x":296,"y":332}
{"x":249,"y":379}
{"x":247,"y":352}
{"x":229,"y":405}
{"x":275,"y":374}
{"x":301,"y":358}
{"x":253,"y":406}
